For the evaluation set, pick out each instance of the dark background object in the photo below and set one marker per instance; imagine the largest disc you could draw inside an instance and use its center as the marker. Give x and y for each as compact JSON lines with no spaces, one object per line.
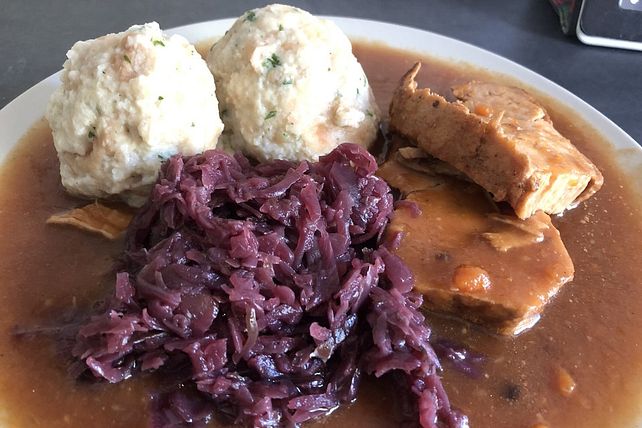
{"x":567,"y":10}
{"x":612,"y":19}
{"x":36,"y":35}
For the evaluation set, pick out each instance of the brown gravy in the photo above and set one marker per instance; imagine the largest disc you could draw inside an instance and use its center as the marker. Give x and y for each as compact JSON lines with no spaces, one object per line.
{"x":592,"y":328}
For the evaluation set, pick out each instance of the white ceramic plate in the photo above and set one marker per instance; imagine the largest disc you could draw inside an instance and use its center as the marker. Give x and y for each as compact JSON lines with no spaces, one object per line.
{"x":19,"y":115}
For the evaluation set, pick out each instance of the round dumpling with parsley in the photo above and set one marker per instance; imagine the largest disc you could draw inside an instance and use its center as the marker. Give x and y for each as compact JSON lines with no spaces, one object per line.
{"x":127,"y":102}
{"x":289,"y":86}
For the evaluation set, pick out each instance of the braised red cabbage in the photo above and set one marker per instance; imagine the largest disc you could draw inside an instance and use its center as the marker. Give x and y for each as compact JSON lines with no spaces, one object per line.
{"x":267,"y":281}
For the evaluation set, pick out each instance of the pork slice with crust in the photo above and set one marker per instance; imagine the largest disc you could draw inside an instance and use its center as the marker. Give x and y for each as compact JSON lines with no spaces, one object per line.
{"x":501,"y":138}
{"x":468,"y":258}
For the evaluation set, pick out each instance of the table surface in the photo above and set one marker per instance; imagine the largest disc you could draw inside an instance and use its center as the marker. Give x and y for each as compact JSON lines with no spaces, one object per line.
{"x":35,"y":35}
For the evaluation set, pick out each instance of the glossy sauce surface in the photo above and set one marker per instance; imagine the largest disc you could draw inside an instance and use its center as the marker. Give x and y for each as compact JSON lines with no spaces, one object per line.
{"x":468,"y":258}
{"x":591,"y":329}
